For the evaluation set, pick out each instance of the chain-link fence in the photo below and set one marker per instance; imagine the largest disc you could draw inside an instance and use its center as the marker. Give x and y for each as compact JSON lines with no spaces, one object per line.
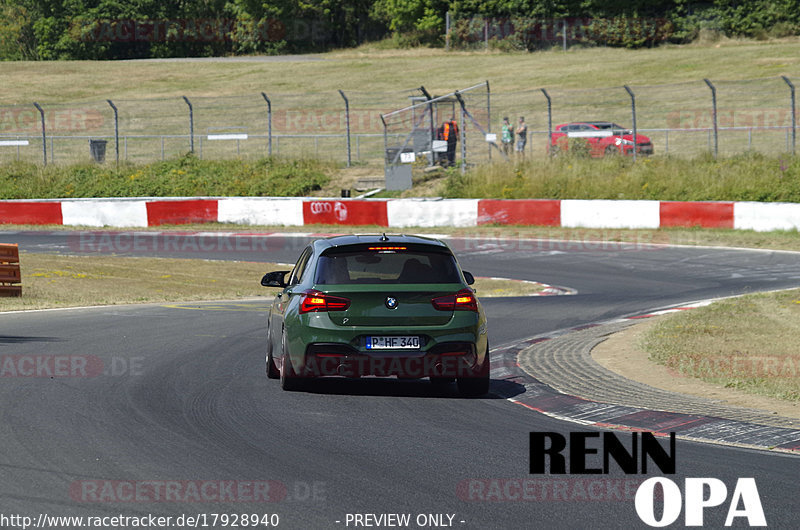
{"x":681,"y":119}
{"x":444,"y":131}
{"x":338,"y":125}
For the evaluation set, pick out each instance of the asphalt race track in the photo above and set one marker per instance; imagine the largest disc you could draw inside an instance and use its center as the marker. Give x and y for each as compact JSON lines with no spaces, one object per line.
{"x":166,"y":410}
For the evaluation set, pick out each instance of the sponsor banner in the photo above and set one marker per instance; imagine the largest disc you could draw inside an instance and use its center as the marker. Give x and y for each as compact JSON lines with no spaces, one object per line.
{"x":519,"y":212}
{"x":30,"y":213}
{"x":345,"y":212}
{"x":181,"y":212}
{"x":702,"y":214}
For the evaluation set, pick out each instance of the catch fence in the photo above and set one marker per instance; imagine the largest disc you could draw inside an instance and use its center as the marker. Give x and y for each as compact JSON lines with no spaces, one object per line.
{"x":681,"y":119}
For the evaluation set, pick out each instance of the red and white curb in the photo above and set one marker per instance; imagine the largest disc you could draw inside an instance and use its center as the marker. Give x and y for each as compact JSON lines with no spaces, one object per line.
{"x":401,"y":213}
{"x":508,"y":376}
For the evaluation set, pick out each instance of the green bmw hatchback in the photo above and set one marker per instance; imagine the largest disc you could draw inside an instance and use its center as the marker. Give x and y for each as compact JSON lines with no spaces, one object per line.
{"x":385,"y":306}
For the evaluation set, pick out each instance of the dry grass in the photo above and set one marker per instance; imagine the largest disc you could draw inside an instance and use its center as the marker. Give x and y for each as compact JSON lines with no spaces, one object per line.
{"x":70,"y":281}
{"x":500,"y":287}
{"x":50,"y":281}
{"x":366,"y":69}
{"x":747,"y":343}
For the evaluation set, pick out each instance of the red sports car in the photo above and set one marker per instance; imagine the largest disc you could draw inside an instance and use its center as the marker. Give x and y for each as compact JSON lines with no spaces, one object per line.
{"x":603,"y":138}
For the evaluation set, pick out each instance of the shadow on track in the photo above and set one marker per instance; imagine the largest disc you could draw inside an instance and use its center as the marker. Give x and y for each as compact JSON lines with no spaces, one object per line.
{"x":19,"y":339}
{"x":391,"y":387}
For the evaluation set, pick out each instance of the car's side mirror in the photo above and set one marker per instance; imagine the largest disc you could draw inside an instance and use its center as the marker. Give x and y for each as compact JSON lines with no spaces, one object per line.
{"x":274,"y":279}
{"x":469,"y":277}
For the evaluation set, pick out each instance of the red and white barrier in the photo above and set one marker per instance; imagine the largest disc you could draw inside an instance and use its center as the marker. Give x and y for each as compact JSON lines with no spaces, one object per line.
{"x":401,"y":213}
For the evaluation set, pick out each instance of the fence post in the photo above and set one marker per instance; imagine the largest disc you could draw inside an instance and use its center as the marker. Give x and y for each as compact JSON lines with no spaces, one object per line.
{"x":116,"y":129}
{"x":549,"y":122}
{"x":347,"y":121}
{"x":430,"y":120}
{"x":794,"y":111}
{"x":714,"y":115}
{"x":447,"y":31}
{"x":489,"y":116}
{"x":633,"y":113}
{"x":191,"y":123}
{"x":463,"y":135}
{"x":44,"y":135}
{"x":269,"y":124}
{"x":385,"y":143}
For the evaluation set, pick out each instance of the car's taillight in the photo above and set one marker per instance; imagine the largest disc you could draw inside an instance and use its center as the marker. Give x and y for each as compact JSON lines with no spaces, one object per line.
{"x":463,"y":300}
{"x":315,"y":301}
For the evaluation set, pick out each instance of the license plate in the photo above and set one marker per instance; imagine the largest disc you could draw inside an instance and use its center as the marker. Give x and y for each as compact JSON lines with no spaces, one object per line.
{"x":393,"y":343}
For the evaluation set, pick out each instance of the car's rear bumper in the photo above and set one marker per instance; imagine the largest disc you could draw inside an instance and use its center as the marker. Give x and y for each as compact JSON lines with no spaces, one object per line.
{"x":448,"y":359}
{"x":642,"y":149}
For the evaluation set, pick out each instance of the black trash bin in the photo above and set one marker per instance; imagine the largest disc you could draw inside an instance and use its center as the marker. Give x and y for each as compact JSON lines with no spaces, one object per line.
{"x":98,"y":150}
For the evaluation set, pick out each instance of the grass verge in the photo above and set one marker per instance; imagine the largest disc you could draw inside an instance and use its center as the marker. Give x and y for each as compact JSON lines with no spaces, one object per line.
{"x":186,"y":176}
{"x":52,"y":281}
{"x":747,"y":343}
{"x":745,"y":177}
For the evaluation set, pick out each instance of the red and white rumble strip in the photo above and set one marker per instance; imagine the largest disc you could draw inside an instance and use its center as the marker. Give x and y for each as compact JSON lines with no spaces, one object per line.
{"x":400,"y":213}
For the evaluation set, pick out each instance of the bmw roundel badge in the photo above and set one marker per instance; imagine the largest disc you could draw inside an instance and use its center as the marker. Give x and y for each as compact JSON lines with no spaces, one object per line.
{"x":391,"y":302}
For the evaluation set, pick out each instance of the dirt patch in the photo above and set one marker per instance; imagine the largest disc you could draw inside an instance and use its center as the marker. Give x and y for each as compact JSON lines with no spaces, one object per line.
{"x":620,"y":353}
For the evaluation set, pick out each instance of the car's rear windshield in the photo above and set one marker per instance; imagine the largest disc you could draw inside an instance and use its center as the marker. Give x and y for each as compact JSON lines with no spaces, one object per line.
{"x":391,"y":267}
{"x":608,"y":126}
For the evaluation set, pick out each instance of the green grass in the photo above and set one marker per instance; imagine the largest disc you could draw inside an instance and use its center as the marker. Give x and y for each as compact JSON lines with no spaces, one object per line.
{"x":746,"y":177}
{"x":371,"y":69}
{"x":747,"y":343}
{"x":185,"y":176}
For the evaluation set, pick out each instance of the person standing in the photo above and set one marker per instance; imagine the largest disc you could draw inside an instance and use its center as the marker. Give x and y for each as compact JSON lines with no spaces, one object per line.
{"x":450,"y":135}
{"x":507,"y":136}
{"x":522,"y":136}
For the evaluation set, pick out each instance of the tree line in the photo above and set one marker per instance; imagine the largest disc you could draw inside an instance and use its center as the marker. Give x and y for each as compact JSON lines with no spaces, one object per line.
{"x":113,"y":29}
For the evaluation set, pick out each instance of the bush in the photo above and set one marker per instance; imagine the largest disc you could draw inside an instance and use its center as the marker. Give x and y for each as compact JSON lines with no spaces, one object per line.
{"x":186,"y":176}
{"x":747,"y":177}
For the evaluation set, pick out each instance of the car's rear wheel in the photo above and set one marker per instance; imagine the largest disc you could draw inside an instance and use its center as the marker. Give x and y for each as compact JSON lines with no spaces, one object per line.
{"x":477,"y":384}
{"x":272,"y":370}
{"x":612,"y":150}
{"x":289,"y":379}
